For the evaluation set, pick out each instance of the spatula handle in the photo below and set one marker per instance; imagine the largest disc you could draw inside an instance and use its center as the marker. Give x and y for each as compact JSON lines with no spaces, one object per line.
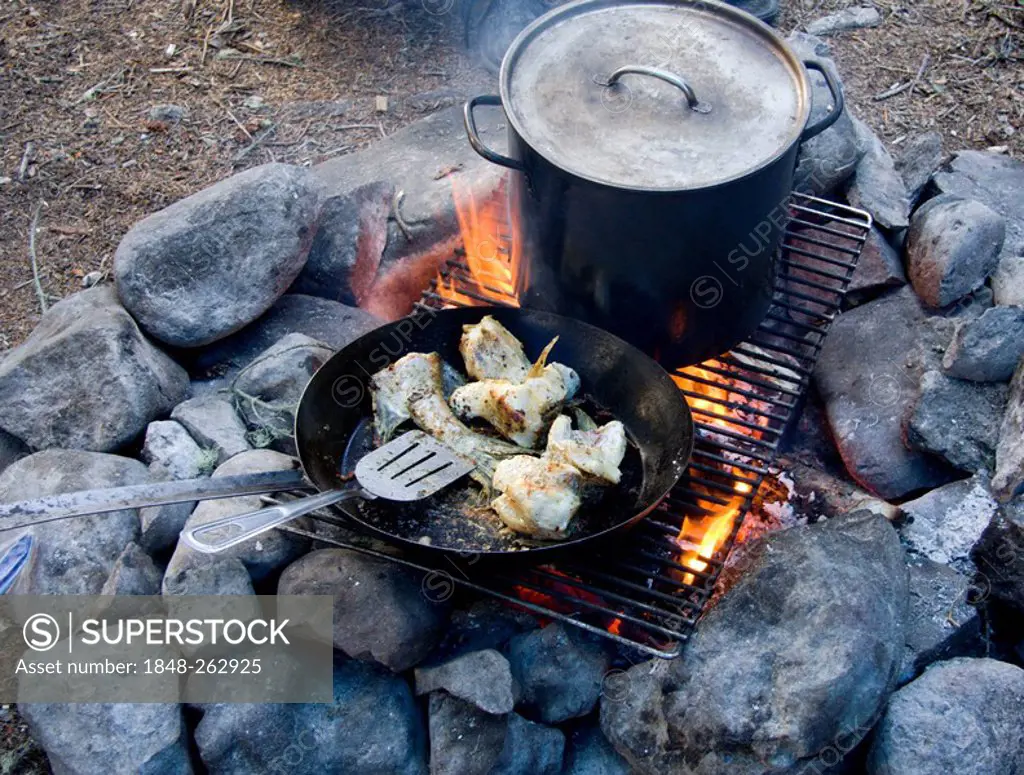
{"x":256,"y":522}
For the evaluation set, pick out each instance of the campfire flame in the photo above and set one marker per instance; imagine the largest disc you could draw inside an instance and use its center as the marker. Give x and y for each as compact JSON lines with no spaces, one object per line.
{"x":493,"y":258}
{"x":497,"y":274}
{"x":702,"y":537}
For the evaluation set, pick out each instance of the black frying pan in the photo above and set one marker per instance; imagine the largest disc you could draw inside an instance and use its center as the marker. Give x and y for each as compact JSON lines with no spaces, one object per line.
{"x":333,"y":427}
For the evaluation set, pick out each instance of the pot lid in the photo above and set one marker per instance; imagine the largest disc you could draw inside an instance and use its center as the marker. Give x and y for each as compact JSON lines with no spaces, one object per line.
{"x":654,"y":94}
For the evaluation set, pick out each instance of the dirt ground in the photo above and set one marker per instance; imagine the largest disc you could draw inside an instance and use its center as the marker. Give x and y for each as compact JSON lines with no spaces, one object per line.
{"x":87,"y":150}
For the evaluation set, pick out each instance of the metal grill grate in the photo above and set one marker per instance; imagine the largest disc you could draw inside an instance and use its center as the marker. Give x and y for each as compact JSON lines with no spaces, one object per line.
{"x":648,"y":591}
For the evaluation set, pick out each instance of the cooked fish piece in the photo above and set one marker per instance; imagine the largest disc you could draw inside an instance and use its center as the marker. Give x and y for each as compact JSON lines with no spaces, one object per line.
{"x":519,"y":411}
{"x":492,"y":352}
{"x":539,"y":496}
{"x":597,"y":452}
{"x":411,"y":389}
{"x":392,"y":389}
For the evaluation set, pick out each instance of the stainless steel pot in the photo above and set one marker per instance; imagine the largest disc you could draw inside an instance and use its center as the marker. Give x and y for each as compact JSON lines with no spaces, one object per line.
{"x":655,"y":142}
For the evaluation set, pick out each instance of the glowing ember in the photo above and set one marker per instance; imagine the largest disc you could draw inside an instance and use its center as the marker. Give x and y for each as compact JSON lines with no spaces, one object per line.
{"x":495,"y":266}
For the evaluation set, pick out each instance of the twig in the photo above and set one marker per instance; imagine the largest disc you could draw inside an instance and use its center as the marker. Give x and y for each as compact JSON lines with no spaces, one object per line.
{"x":25,"y":159}
{"x":264,"y":60}
{"x":238,"y":123}
{"x":185,"y":69}
{"x":257,"y":141}
{"x":892,"y":92}
{"x":909,"y":86}
{"x":336,"y":151}
{"x":396,"y":209}
{"x":206,"y":43}
{"x":920,"y":72}
{"x":343,"y":127}
{"x":298,"y":139}
{"x":32,"y":256}
{"x":92,"y":91}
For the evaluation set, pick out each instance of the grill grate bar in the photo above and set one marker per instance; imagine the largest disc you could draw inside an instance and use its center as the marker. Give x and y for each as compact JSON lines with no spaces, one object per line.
{"x":640,"y":584}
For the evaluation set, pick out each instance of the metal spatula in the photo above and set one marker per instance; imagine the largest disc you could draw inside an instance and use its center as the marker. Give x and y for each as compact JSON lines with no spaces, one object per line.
{"x":410,"y":468}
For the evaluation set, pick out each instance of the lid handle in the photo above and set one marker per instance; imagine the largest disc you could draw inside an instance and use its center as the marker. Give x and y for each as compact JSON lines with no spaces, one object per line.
{"x":663,"y":75}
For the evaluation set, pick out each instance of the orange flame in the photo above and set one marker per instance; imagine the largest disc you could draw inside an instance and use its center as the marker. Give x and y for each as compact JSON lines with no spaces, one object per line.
{"x":492,"y":256}
{"x":704,"y":536}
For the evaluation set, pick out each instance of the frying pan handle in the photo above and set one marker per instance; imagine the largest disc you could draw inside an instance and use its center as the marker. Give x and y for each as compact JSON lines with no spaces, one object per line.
{"x":662,"y":75}
{"x":474,"y":136}
{"x":832,"y":116}
{"x":256,"y":522}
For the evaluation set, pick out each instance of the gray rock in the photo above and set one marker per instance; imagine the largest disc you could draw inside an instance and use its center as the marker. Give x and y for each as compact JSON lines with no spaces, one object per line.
{"x":424,"y":160}
{"x":487,"y":624}
{"x":1008,"y":280}
{"x":944,"y":524}
{"x":213,"y":262}
{"x":168,"y":114}
{"x":961,"y":716}
{"x":941,"y":622}
{"x":464,"y":740}
{"x":1008,"y":479}
{"x":104,"y":738}
{"x":876,"y":186}
{"x":86,"y":378}
{"x":952,"y":248}
{"x":958,"y":421}
{"x":161,"y":526}
{"x":763,"y":687}
{"x":134,"y":573}
{"x":560,"y":671}
{"x":530,"y":749}
{"x":868,"y":375}
{"x":74,"y":556}
{"x":918,"y":159}
{"x":854,"y":18}
{"x":266,"y":552}
{"x":879,"y":268}
{"x":12,"y":449}
{"x":995,"y":180}
{"x":988,"y":348}
{"x":268,"y":389}
{"x":206,"y":574}
{"x":480,"y":677}
{"x":171,"y":452}
{"x":999,"y":555}
{"x":372,"y":727}
{"x":214,"y":425}
{"x":590,"y":753}
{"x":827,"y":160}
{"x":326,"y":321}
{"x":380,"y":611}
{"x":348,"y":245}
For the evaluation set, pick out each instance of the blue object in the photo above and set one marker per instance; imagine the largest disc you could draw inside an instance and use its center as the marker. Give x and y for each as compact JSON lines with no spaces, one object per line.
{"x":15,"y":556}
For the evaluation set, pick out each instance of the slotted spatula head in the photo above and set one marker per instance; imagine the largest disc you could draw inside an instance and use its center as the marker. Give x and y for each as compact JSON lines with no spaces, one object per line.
{"x":410,"y":468}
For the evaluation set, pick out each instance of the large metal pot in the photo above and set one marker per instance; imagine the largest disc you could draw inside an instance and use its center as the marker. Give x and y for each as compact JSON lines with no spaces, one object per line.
{"x":657,"y":141}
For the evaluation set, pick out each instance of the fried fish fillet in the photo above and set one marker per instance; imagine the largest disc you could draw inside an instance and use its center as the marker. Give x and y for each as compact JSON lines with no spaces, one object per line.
{"x":492,"y":352}
{"x":539,"y":496}
{"x":411,"y":389}
{"x":597,"y":452}
{"x":519,"y":411}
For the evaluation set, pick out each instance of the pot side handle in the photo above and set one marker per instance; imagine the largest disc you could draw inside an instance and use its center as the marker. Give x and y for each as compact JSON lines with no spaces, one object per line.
{"x":474,"y":136}
{"x":838,"y":102}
